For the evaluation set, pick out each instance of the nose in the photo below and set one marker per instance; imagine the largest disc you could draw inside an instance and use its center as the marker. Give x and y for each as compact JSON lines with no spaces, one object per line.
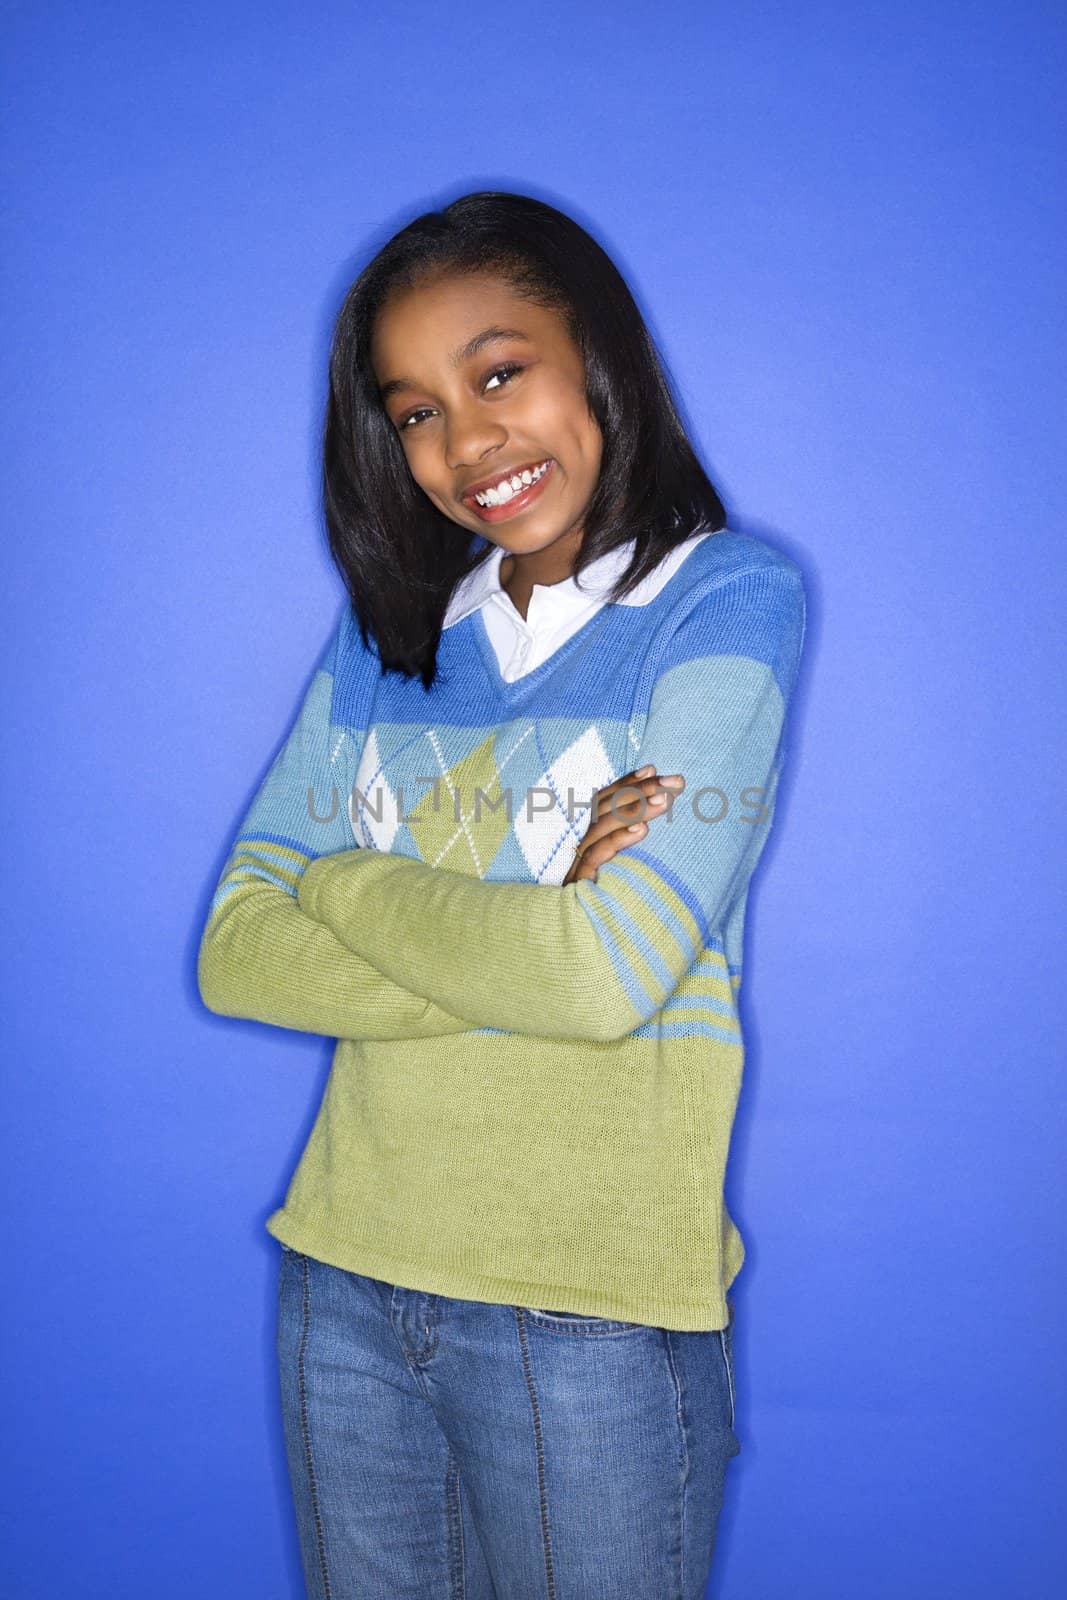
{"x":470,"y":436}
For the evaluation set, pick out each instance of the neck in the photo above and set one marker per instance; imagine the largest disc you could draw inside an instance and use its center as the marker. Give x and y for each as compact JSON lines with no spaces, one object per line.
{"x":519,"y":573}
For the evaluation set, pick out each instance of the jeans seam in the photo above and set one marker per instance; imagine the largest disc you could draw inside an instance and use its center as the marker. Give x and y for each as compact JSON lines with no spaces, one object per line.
{"x":305,"y":1430}
{"x":453,"y":1500}
{"x":679,"y":1402}
{"x":546,"y":1532}
{"x":729,"y":1376}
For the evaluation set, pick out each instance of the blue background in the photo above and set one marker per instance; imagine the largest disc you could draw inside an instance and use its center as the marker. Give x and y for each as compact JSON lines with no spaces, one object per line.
{"x":844,"y":223}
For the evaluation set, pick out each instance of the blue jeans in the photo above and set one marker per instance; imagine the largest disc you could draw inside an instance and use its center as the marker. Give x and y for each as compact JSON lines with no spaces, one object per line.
{"x":444,"y":1449}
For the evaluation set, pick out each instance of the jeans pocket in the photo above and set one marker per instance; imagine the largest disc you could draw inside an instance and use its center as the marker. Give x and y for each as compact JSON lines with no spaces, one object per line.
{"x":577,"y":1321}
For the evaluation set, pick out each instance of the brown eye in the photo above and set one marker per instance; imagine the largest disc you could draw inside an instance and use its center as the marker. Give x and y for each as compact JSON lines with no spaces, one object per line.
{"x":508,"y":371}
{"x":421,"y":412}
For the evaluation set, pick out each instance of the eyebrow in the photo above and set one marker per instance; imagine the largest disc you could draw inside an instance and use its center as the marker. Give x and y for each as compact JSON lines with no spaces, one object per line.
{"x":464,"y":353}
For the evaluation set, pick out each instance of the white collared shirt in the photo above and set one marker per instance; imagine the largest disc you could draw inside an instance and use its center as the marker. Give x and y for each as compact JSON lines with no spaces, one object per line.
{"x":557,"y":610}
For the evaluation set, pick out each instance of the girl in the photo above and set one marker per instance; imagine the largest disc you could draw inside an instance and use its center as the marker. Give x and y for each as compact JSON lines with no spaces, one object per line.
{"x":503,"y":858}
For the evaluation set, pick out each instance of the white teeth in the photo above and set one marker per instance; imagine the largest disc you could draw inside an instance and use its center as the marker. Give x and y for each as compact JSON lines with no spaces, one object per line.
{"x":511,"y":486}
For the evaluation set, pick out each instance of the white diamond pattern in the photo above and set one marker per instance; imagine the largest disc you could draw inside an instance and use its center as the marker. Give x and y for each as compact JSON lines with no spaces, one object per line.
{"x":547,"y":838}
{"x":376,"y":819}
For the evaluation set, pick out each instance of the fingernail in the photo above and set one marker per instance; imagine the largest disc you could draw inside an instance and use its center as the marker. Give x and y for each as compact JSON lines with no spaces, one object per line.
{"x":642,"y":772}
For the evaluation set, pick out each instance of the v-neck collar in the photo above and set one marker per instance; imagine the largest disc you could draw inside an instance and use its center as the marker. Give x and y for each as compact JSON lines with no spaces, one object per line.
{"x":518,"y":688}
{"x":472,"y":593}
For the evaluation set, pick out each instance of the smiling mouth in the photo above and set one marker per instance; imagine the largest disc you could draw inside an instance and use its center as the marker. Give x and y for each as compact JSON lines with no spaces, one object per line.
{"x":504,"y":499}
{"x":494,"y":491}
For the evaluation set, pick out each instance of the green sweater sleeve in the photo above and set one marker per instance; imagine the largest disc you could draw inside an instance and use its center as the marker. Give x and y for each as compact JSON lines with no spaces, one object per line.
{"x":261,"y":956}
{"x":595,"y":960}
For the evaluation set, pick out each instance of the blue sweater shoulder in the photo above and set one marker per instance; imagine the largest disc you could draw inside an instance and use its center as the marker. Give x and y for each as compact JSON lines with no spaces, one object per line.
{"x":729,"y":554}
{"x":736,"y":595}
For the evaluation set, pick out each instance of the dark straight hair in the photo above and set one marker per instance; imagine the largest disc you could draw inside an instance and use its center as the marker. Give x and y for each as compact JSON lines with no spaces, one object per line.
{"x":401,"y":557}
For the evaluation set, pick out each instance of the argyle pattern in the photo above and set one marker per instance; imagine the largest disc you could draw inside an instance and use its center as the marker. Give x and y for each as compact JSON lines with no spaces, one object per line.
{"x":560,"y":1063}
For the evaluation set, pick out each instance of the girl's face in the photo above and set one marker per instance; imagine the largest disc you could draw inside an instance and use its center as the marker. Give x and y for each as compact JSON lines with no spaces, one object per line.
{"x":484,"y":387}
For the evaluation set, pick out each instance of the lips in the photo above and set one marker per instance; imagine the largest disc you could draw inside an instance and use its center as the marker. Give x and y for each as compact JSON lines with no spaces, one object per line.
{"x":499,"y":476}
{"x":517,"y":503}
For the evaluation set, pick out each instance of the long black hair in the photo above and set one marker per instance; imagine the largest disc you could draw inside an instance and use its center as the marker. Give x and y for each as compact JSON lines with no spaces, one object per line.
{"x":401,"y":557}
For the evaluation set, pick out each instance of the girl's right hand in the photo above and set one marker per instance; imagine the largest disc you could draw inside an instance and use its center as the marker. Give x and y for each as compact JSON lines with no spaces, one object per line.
{"x":615,"y":822}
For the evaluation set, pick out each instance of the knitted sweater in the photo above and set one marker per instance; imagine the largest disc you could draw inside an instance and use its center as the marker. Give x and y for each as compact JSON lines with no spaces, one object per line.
{"x":534,"y":1085}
